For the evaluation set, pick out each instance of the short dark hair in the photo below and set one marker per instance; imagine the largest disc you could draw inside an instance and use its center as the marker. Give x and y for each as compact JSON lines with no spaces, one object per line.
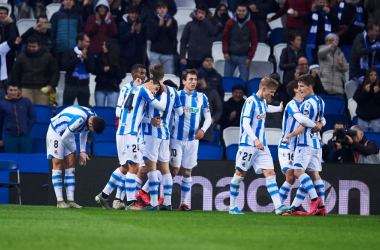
{"x":307,"y":79}
{"x":134,"y":9}
{"x":162,"y":4}
{"x":155,"y":81}
{"x":292,"y":36}
{"x":157,"y":70}
{"x":14,"y":84}
{"x":42,"y":16}
{"x":136,"y":67}
{"x":80,"y":37}
{"x":4,"y":8}
{"x":290,"y":88}
{"x":98,"y":124}
{"x":242,"y":4}
{"x":187,"y":72}
{"x":370,"y":25}
{"x":35,"y":39}
{"x":339,"y":123}
{"x":170,"y":83}
{"x":298,"y":58}
{"x":203,"y":7}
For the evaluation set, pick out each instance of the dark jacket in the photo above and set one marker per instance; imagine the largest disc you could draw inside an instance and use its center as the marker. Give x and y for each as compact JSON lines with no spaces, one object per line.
{"x":18,"y":115}
{"x":213,"y":79}
{"x":35,"y":70}
{"x":302,"y":7}
{"x":274,"y":120}
{"x":65,"y":26}
{"x":229,"y":107}
{"x":330,"y":152}
{"x":109,"y":80}
{"x":365,"y":148}
{"x":264,"y":7}
{"x":164,"y":39}
{"x":152,"y":5}
{"x":9,"y":32}
{"x":70,"y":61}
{"x":46,"y":39}
{"x":220,"y":23}
{"x":197,"y":39}
{"x":240,"y":41}
{"x":368,"y":103}
{"x":288,"y":60}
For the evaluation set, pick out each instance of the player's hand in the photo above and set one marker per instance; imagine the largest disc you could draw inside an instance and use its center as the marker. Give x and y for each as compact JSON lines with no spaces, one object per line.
{"x":199,"y":135}
{"x":83,"y":157}
{"x":282,"y":106}
{"x":156,"y":121}
{"x":367,"y":88}
{"x":247,"y":63}
{"x":227,"y":57}
{"x":183,"y":61}
{"x":232,"y":115}
{"x":137,"y":81}
{"x":349,"y":139}
{"x":376,"y":89}
{"x":259,"y":144}
{"x":286,"y":140}
{"x":318,"y":127}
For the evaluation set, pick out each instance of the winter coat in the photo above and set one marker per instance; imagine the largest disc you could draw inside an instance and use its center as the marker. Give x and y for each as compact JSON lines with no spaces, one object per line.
{"x":65,"y":26}
{"x":46,"y":39}
{"x":35,"y":70}
{"x":330,"y":72}
{"x":172,"y":7}
{"x":213,"y":79}
{"x":264,"y":7}
{"x":368,"y":104}
{"x":70,"y":61}
{"x":9,"y":31}
{"x":110,"y":80}
{"x":18,"y":115}
{"x":302,"y":7}
{"x":288,"y":60}
{"x":229,"y":107}
{"x":99,"y":32}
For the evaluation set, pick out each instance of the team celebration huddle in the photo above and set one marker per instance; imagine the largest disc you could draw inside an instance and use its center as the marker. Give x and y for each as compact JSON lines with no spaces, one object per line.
{"x":159,"y":131}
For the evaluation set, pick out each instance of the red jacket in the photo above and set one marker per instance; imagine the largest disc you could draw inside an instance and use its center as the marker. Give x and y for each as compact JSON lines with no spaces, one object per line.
{"x":301,"y":6}
{"x":99,"y":33}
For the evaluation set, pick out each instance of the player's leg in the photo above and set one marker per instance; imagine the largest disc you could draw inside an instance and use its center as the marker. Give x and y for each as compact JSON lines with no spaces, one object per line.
{"x":313,"y":170}
{"x":287,"y":185}
{"x":142,"y":192}
{"x":167,"y":181}
{"x":57,"y":182}
{"x":118,"y":203}
{"x":69,"y":163}
{"x":285,"y":157}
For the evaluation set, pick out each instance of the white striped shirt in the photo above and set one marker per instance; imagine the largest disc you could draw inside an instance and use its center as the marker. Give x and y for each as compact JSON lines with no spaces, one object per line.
{"x":289,"y":124}
{"x":122,"y":94}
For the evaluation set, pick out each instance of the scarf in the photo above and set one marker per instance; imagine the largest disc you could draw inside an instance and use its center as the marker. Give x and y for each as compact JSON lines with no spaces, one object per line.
{"x":311,"y":39}
{"x":359,"y":14}
{"x":166,"y":17}
{"x":364,"y":60}
{"x":80,"y":70}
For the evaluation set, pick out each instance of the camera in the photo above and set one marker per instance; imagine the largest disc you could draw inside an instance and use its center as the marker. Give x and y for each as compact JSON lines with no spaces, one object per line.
{"x":340,"y":134}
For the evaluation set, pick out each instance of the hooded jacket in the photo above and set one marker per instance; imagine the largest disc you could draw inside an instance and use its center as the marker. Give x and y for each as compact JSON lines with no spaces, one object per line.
{"x":99,"y":32}
{"x":368,"y":103}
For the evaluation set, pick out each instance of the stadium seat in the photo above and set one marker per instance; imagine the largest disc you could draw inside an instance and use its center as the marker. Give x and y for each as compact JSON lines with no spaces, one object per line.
{"x":11,"y":166}
{"x":273,"y":136}
{"x":210,"y":151}
{"x":174,"y":79}
{"x":183,"y":15}
{"x":127,"y":79}
{"x":262,"y":52}
{"x":327,"y":135}
{"x":352,"y":105}
{"x":185,"y":3}
{"x":51,"y":9}
{"x":275,"y":23}
{"x":350,"y":88}
{"x":109,"y":133}
{"x":92,"y":86}
{"x":253,"y":85}
{"x":231,"y":151}
{"x":346,"y":50}
{"x":230,"y":81}
{"x":105,"y":148}
{"x":274,"y":151}
{"x":24,"y":24}
{"x":60,"y":108}
{"x":107,"y":113}
{"x":373,"y":136}
{"x":314,"y":67}
{"x":276,"y":36}
{"x":219,"y":66}
{"x":231,"y":135}
{"x":43,"y":112}
{"x":39,"y":130}
{"x":277,"y":50}
{"x":216,"y":135}
{"x":227,"y":96}
{"x":332,"y":118}
{"x":39,"y":146}
{"x":217,"y":54}
{"x":334,"y":104}
{"x":260,"y":69}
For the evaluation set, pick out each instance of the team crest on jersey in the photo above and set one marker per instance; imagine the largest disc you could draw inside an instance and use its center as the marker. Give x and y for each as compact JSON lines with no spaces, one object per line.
{"x":243,"y":164}
{"x":135,"y":156}
{"x":290,"y":162}
{"x":56,"y":152}
{"x":196,"y":99}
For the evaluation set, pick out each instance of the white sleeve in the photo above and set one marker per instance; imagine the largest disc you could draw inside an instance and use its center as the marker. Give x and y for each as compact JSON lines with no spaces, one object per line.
{"x":179,"y":111}
{"x":323,"y":121}
{"x":66,"y":140}
{"x":273,"y":109}
{"x":120,"y":101}
{"x":303,"y":120}
{"x":247,"y":128}
{"x":4,"y":48}
{"x":82,"y":141}
{"x":160,"y":105}
{"x":207,"y":122}
{"x":146,"y":120}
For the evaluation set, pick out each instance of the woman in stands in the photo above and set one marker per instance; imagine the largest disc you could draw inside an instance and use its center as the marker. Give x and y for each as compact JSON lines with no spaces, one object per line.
{"x":108,"y":74}
{"x":367,"y":95}
{"x":220,"y":17}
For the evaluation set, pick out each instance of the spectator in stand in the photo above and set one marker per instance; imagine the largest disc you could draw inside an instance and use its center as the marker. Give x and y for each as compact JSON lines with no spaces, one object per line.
{"x":84,"y":8}
{"x":141,"y":6}
{"x":114,"y":8}
{"x":259,"y":10}
{"x":47,"y":40}
{"x":30,"y":9}
{"x":365,"y":51}
{"x":18,"y":116}
{"x":36,"y":72}
{"x":372,"y":8}
{"x":108,"y":74}
{"x":220,"y":17}
{"x":5,"y":47}
{"x":367,"y":96}
{"x":359,"y":149}
{"x":65,"y":25}
{"x":233,"y":107}
{"x":209,"y":3}
{"x":274,"y":120}
{"x":132,"y":40}
{"x":332,"y":65}
{"x":152,"y":5}
{"x":215,"y":106}
{"x":100,"y":26}
{"x":239,"y":43}
{"x":352,"y":18}
{"x":162,"y":32}
{"x":213,"y":79}
{"x":295,"y":9}
{"x":78,"y":64}
{"x":197,"y":38}
{"x":329,"y":150}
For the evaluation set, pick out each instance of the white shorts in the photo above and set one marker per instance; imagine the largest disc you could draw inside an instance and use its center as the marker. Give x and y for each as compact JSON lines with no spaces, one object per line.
{"x":142,"y":150}
{"x":55,"y":147}
{"x":128,"y":149}
{"x":248,"y":157}
{"x":286,"y":159}
{"x":308,"y":158}
{"x":183,"y":153}
{"x":156,"y":149}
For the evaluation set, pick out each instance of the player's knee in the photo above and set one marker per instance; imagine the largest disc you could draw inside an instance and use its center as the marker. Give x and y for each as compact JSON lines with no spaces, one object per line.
{"x":291,"y":179}
{"x":124,"y":169}
{"x":240,"y":173}
{"x":174,"y":171}
{"x":186,"y":172}
{"x":269,"y":172}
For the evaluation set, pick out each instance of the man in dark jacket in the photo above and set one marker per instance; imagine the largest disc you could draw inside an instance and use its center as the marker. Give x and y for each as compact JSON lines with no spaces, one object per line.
{"x":212,"y":77}
{"x":329,"y":150}
{"x":197,"y":38}
{"x":47,"y":40}
{"x":78,"y":64}
{"x":239,"y":43}
{"x":36,"y":72}
{"x":172,"y":7}
{"x":233,"y":107}
{"x":259,"y":10}
{"x":18,"y":114}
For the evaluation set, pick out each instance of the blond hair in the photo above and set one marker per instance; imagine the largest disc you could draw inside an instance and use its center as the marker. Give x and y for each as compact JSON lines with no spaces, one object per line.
{"x":268,"y":82}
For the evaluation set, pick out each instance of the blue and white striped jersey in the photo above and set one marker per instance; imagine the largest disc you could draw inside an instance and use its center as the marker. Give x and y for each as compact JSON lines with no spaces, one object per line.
{"x":133,"y":109}
{"x":289,"y":124}
{"x":173,"y":104}
{"x":73,"y":118}
{"x":255,"y":110}
{"x":186,"y":125}
{"x":313,"y":107}
{"x":122,"y":94}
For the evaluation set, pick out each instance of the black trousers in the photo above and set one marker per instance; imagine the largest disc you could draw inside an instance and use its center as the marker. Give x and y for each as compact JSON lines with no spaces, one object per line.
{"x":81,"y":92}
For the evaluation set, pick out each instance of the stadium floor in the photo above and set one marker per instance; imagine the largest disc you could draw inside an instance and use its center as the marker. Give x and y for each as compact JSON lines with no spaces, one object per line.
{"x":46,"y":227}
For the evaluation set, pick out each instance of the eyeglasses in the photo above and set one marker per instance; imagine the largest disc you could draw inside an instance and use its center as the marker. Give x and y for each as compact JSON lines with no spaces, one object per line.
{"x":208,"y":60}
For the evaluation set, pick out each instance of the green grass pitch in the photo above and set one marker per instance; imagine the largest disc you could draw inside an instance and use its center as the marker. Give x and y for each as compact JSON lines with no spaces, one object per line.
{"x":46,"y":227}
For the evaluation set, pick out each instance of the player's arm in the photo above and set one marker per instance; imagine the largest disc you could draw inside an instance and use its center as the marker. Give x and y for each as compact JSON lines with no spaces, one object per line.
{"x":206,"y":124}
{"x":178,"y":109}
{"x":72,"y":126}
{"x":155,"y":121}
{"x":247,"y":114}
{"x":148,"y":96}
{"x":120,"y":101}
{"x":83,"y":157}
{"x":303,"y":120}
{"x":66,"y":140}
{"x":296,"y":132}
{"x":275,"y":109}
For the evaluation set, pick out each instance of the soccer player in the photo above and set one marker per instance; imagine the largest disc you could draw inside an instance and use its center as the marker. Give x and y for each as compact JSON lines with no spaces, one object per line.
{"x":186,"y":133}
{"x":61,"y":148}
{"x":253,"y":150}
{"x":129,"y":154}
{"x":308,"y":153}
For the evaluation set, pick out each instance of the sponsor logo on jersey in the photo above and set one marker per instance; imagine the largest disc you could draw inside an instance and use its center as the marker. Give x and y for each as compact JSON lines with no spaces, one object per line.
{"x":261,"y":116}
{"x":191,"y":110}
{"x":306,"y":112}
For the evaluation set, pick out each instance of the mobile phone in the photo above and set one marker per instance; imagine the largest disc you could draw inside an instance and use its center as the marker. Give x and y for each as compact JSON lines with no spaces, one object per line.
{"x":46,"y":26}
{"x":319,"y":7}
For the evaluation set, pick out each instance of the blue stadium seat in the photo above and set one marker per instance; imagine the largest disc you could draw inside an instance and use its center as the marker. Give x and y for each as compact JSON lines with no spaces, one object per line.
{"x":60,"y":108}
{"x":39,"y":146}
{"x":346,"y":50}
{"x":276,"y":36}
{"x":230,"y":81}
{"x":274,"y":151}
{"x":43,"y":112}
{"x":231,"y":151}
{"x":334,"y":104}
{"x":39,"y":130}
{"x":253,"y":85}
{"x":107,"y":113}
{"x":210,"y":151}
{"x":109,"y":133}
{"x":216,"y":135}
{"x":105,"y":148}
{"x":373,"y":136}
{"x":332,"y":118}
{"x":354,"y":120}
